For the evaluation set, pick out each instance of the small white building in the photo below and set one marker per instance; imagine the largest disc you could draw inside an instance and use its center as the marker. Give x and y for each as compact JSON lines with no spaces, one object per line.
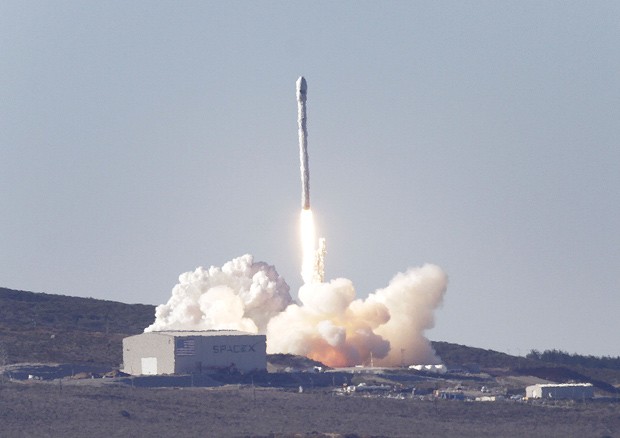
{"x":189,"y":352}
{"x":436,"y":369}
{"x":560,"y":391}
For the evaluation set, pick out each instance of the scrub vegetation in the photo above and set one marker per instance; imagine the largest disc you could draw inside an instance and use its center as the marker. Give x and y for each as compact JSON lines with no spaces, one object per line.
{"x":47,"y":409}
{"x":83,"y":334}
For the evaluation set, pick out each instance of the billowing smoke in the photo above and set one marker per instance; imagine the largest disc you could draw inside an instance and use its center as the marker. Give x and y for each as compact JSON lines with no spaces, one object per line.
{"x":241,"y":295}
{"x":386,"y":328}
{"x":329,"y":324}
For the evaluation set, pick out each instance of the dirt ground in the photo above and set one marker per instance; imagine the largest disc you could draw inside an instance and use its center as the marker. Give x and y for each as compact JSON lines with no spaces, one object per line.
{"x":50,"y":409}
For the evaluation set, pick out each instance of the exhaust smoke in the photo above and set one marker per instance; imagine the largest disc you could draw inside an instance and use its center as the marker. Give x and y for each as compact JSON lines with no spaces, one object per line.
{"x":329,"y":324}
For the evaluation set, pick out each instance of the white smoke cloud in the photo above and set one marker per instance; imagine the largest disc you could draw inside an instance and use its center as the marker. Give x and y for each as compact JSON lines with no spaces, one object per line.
{"x":411,"y":299}
{"x":333,"y":327}
{"x":241,"y":295}
{"x":329,"y":324}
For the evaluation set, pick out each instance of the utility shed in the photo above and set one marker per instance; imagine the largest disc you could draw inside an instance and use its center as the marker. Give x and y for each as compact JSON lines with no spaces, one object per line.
{"x":561,"y":391}
{"x":189,"y":352}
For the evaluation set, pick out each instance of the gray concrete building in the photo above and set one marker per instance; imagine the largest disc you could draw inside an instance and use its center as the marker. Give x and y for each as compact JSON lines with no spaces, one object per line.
{"x":560,"y":391}
{"x":190,"y":352}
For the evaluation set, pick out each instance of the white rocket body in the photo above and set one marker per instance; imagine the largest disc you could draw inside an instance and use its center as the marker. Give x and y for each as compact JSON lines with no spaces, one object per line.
{"x":302,"y":89}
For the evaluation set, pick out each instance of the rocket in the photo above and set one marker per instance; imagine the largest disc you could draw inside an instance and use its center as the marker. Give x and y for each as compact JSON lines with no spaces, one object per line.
{"x":302,"y":89}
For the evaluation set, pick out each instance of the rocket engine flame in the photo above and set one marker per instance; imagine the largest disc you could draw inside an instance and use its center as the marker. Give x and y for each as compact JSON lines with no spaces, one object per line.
{"x":308,"y":251}
{"x":312,"y":257}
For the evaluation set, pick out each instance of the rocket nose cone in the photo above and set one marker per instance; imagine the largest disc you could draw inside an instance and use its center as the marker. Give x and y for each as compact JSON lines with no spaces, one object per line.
{"x":302,"y":87}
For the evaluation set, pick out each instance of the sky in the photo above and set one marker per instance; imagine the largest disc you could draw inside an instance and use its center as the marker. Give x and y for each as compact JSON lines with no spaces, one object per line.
{"x":140,"y":140}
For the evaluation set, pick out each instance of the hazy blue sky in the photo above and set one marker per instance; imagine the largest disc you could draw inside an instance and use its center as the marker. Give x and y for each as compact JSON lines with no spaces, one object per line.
{"x":139,"y":140}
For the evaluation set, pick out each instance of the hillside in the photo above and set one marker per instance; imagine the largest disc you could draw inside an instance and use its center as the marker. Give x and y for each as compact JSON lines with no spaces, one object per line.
{"x":40,"y":327}
{"x":455,"y":355}
{"x":46,"y":328}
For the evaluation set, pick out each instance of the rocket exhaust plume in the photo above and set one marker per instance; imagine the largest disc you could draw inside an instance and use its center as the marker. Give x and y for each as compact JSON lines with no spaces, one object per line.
{"x":332,"y":326}
{"x":308,"y":252}
{"x":329,"y":324}
{"x":241,"y":295}
{"x":302,"y":90}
